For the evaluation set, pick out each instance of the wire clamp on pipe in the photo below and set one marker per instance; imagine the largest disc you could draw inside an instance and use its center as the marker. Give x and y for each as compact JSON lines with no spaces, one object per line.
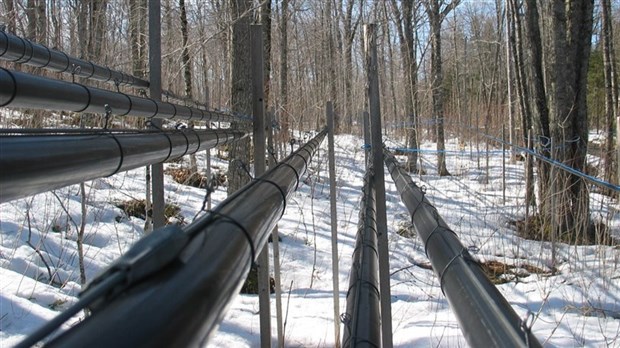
{"x":217,"y":214}
{"x":464,"y":255}
{"x":272,"y":152}
{"x":279,"y":189}
{"x":75,"y":69}
{"x":294,"y":171}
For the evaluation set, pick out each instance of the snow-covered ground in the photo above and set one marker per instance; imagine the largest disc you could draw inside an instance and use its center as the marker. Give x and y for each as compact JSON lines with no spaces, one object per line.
{"x":578,"y":306}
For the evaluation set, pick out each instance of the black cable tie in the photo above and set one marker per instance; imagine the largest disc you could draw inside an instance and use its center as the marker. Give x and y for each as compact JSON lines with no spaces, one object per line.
{"x":186,"y":143}
{"x":75,"y":70}
{"x":12,"y":97}
{"x":120,"y":148}
{"x":279,"y":189}
{"x":68,"y":60}
{"x":92,"y":69}
{"x":464,"y":255}
{"x":89,"y":97}
{"x":199,"y":141}
{"x":243,"y":229}
{"x":49,"y":57}
{"x":300,"y":156}
{"x":31,"y":55}
{"x":294,"y":171}
{"x":170,"y":148}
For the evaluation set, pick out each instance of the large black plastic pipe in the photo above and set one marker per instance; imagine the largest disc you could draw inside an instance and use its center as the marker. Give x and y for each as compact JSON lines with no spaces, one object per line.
{"x":362,"y":322}
{"x":180,"y":305}
{"x":16,"y":49}
{"x":21,"y":90}
{"x":485,"y":317}
{"x":31,"y":164}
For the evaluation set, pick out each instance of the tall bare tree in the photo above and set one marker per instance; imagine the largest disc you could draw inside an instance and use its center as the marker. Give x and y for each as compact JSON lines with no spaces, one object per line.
{"x":437,"y":11}
{"x":405,"y":26}
{"x":611,"y":89}
{"x":241,"y":88}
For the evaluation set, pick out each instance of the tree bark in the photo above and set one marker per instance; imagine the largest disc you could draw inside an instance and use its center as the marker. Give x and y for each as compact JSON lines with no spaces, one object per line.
{"x":283,"y":111}
{"x":241,"y":90}
{"x":567,"y":27}
{"x":611,"y":90}
{"x":436,"y":16}
{"x":405,"y":28}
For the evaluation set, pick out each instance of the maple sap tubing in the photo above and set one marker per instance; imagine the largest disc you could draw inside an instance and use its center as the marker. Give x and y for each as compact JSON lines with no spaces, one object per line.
{"x":16,"y":49}
{"x":485,"y":317}
{"x":363,"y":298}
{"x":37,"y":163}
{"x":183,"y":303}
{"x":21,"y":90}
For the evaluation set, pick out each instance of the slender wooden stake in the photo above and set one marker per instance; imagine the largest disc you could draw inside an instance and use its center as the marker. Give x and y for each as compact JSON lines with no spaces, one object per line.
{"x":334,"y":220}
{"x":157,"y":173}
{"x":374,"y":107}
{"x":258,"y":111}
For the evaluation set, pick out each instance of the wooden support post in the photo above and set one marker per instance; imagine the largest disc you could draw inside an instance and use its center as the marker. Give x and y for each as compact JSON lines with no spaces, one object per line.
{"x":374,"y":108}
{"x":258,"y":112}
{"x":157,"y":172}
{"x":334,"y":220}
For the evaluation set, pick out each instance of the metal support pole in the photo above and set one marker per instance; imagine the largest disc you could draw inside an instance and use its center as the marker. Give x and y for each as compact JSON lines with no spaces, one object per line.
{"x":258,"y":112}
{"x":334,"y":220}
{"x":366,"y":118}
{"x":374,"y":107}
{"x":157,"y":173}
{"x":275,"y":241}
{"x":504,"y":165}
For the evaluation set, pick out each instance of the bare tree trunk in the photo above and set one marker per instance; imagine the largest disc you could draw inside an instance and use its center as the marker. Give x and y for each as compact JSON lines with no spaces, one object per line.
{"x":611,"y":89}
{"x":436,"y":16}
{"x":405,"y":27}
{"x":9,"y":7}
{"x":187,"y":74}
{"x":331,"y":65}
{"x":516,"y":42}
{"x":283,"y":110}
{"x":241,"y":89}
{"x":567,"y":42}
{"x":41,"y":22}
{"x":265,"y":20}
